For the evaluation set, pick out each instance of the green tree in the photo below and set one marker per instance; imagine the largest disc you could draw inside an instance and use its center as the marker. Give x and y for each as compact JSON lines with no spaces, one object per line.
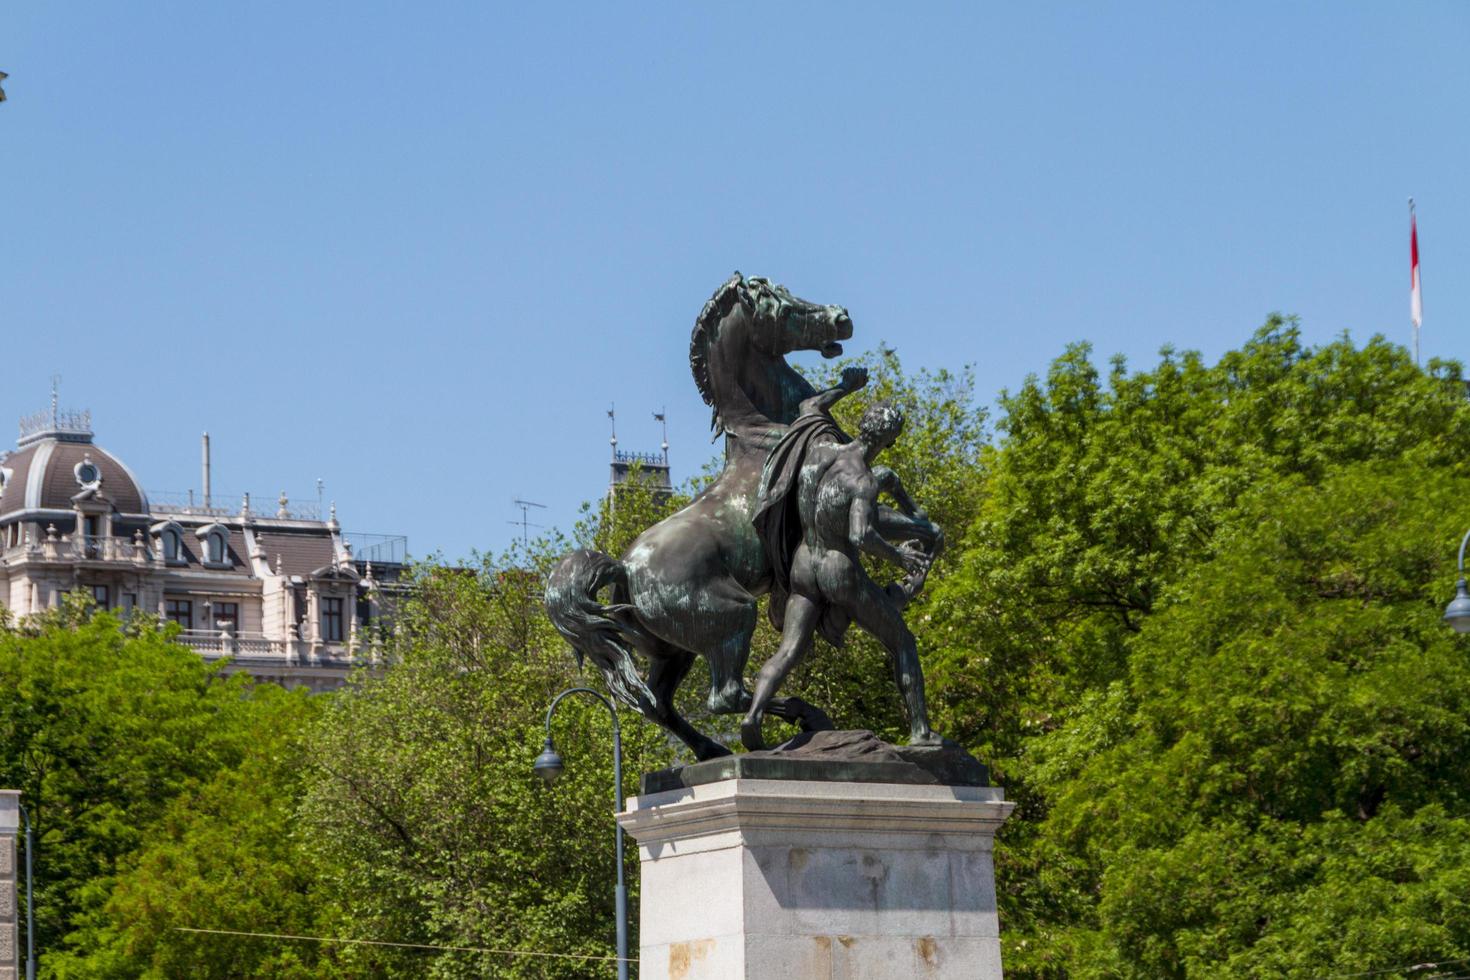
{"x":108,"y":731}
{"x":225,"y":856}
{"x":1102,"y":496}
{"x":1284,"y":789}
{"x":422,"y":793}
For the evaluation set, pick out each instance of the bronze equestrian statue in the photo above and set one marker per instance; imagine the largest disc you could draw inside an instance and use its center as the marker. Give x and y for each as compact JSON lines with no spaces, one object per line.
{"x":688,"y":586}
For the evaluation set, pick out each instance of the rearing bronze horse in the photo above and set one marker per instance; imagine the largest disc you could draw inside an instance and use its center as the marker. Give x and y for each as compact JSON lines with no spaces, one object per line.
{"x":688,"y":585}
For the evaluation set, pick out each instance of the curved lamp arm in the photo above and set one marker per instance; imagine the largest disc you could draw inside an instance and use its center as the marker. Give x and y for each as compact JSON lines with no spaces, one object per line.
{"x":614,"y":713}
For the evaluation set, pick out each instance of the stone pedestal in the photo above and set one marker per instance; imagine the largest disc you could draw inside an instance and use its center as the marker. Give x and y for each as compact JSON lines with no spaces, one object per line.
{"x":11,"y":911}
{"x":795,"y":879}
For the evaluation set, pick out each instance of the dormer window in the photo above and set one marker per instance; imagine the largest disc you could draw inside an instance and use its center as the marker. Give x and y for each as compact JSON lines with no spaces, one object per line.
{"x":170,"y":542}
{"x":214,"y":542}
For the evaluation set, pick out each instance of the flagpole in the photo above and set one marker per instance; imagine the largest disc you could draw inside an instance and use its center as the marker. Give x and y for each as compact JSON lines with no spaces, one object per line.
{"x":1414,"y":295}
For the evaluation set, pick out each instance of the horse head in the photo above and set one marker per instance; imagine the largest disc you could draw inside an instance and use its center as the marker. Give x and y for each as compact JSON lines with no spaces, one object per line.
{"x":739,"y":346}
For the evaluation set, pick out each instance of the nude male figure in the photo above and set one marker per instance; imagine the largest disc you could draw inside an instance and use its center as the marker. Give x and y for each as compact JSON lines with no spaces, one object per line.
{"x":836,"y":500}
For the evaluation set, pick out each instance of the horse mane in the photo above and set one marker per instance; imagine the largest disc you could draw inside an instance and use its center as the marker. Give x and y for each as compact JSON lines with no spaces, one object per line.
{"x":732,"y":291}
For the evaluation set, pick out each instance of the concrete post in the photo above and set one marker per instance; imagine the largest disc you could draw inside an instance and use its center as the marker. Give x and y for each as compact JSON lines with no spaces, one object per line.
{"x":806,"y":880}
{"x":11,"y":908}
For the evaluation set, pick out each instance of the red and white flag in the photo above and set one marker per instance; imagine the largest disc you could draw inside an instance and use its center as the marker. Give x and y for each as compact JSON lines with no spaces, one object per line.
{"x":1416,"y":300}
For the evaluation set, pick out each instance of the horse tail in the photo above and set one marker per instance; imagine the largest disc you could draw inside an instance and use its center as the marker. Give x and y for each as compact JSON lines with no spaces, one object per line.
{"x":605,"y":634}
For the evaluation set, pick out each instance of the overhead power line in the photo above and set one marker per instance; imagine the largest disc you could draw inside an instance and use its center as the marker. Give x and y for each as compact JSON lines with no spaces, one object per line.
{"x":1412,"y":969}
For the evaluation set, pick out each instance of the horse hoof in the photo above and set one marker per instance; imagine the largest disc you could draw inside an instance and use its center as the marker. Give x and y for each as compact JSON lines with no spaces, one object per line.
{"x":729,"y":702}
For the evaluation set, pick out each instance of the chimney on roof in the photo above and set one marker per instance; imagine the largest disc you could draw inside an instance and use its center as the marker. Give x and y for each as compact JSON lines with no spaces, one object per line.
{"x":206,"y":470}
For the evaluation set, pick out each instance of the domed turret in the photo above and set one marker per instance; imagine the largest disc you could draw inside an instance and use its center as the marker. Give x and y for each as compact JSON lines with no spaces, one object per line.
{"x":56,"y":460}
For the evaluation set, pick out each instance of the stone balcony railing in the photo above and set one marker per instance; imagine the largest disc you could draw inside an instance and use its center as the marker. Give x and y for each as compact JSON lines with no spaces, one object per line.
{"x":53,"y":547}
{"x":249,"y":649}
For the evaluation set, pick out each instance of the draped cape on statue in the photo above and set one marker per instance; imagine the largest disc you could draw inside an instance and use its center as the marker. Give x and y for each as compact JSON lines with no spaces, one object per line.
{"x":777,"y":517}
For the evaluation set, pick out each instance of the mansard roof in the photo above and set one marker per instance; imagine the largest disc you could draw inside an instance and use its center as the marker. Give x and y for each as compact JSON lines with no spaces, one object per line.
{"x":298,"y":553}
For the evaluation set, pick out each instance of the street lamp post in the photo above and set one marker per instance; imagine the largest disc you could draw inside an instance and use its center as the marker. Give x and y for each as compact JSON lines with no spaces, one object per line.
{"x":549,"y":766}
{"x":1457,"y":613}
{"x":30,"y":909}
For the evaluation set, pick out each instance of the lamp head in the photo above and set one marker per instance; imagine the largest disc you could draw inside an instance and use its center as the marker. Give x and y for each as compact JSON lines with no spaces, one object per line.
{"x":549,"y":765}
{"x":1457,"y":613}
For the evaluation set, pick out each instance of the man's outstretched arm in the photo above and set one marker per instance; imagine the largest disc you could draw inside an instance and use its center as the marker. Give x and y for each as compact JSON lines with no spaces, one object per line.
{"x":853,"y":378}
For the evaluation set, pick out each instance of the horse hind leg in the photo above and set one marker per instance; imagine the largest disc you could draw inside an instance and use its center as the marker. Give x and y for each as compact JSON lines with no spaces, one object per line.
{"x":726,"y":629}
{"x":668,"y":667}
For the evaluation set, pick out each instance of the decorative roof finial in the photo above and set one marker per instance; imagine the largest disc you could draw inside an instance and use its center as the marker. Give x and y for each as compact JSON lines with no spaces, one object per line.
{"x":332,"y":524}
{"x":283,"y":511}
{"x":662,"y":417}
{"x":612,"y":421}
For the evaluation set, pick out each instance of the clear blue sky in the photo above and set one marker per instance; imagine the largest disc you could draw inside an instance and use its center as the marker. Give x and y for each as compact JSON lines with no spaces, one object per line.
{"x":416,"y":250}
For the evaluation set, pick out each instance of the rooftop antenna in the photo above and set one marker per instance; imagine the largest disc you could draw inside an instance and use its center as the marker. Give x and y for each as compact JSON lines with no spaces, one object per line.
{"x":662,"y":417}
{"x":612,"y":421}
{"x":55,"y":386}
{"x":525,"y":521}
{"x":319,"y":486}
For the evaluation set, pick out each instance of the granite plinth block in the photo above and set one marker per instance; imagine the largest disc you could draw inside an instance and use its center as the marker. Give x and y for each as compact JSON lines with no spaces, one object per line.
{"x":805,"y":879}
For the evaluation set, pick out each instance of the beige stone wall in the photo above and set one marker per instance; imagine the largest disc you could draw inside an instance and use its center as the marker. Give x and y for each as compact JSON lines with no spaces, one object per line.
{"x":10,"y":909}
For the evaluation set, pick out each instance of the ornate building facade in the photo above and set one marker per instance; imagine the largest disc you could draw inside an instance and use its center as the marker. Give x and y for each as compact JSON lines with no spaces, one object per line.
{"x":278,"y":591}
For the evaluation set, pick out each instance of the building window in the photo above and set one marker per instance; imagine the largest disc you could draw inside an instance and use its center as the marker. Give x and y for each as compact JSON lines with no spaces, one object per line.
{"x":101,"y":596}
{"x":215,"y":549}
{"x":129,"y":601}
{"x":227,"y":615}
{"x":170,"y":545}
{"x":180,"y":611}
{"x":332,"y":620}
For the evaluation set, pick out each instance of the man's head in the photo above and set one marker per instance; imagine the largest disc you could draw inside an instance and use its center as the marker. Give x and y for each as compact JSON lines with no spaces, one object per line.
{"x":881,"y":425}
